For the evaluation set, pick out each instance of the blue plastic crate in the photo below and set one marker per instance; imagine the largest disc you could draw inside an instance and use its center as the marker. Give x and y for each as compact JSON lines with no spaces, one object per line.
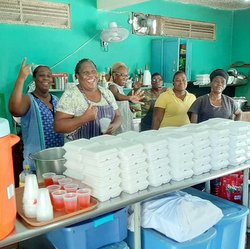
{"x":152,"y":239}
{"x":231,"y":229}
{"x":92,"y":234}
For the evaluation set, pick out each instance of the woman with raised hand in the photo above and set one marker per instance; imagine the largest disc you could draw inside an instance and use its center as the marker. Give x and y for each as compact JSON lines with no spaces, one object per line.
{"x":119,"y":75}
{"x":36,"y":110}
{"x":81,"y":107}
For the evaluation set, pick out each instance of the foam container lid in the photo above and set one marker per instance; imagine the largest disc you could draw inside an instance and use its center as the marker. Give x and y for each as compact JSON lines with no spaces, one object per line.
{"x":4,"y":127}
{"x":128,"y":135}
{"x":180,"y":150}
{"x":104,"y":196}
{"x":203,"y":152}
{"x":96,"y":183}
{"x":185,"y":157}
{"x":218,"y":133}
{"x":201,"y":143}
{"x":78,"y":144}
{"x":178,"y":166}
{"x":106,"y":139}
{"x":157,"y":155}
{"x":128,"y":148}
{"x":131,"y":161}
{"x":102,"y":172}
{"x":151,"y":141}
{"x":180,"y":175}
{"x":99,"y":165}
{"x":201,"y":160}
{"x":100,"y":153}
{"x":161,"y":162}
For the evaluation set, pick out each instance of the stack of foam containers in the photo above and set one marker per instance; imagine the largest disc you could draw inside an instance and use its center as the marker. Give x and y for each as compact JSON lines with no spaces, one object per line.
{"x":157,"y":157}
{"x":74,"y":157}
{"x":219,"y":141}
{"x":201,"y":148}
{"x":102,"y":172}
{"x":180,"y":152}
{"x":238,"y":142}
{"x":247,"y":149}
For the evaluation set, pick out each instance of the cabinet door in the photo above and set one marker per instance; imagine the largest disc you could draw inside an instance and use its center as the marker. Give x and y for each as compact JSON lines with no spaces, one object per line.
{"x":171,"y":50}
{"x":168,"y":56}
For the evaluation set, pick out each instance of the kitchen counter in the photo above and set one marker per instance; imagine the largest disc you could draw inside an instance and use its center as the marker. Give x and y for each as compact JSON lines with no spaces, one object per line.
{"x":23,"y":232}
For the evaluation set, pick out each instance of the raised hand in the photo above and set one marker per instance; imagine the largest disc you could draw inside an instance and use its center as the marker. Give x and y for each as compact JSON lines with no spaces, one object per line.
{"x":137,"y":97}
{"x":25,"y":70}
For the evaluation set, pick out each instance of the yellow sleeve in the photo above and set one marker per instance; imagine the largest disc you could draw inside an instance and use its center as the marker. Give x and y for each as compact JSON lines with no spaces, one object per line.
{"x":161,"y":101}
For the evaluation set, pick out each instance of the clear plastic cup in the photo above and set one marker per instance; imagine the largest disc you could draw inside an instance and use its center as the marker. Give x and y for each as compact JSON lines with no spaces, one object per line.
{"x":51,"y":189}
{"x":56,"y":178}
{"x":44,"y":210}
{"x":71,"y":188}
{"x":70,"y":202}
{"x":104,"y":124}
{"x":64,"y":181}
{"x":83,"y":196}
{"x":47,"y":178}
{"x":57,"y":199}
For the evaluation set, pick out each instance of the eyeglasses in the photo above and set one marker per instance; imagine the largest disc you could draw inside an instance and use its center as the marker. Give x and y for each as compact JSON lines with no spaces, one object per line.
{"x":122,"y":75}
{"x":156,"y":80}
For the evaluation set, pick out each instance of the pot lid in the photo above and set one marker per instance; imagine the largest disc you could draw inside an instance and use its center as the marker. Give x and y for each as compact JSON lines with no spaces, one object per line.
{"x":4,"y":127}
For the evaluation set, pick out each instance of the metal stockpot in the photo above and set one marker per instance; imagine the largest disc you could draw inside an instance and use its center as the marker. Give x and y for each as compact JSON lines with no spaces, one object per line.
{"x":49,"y":160}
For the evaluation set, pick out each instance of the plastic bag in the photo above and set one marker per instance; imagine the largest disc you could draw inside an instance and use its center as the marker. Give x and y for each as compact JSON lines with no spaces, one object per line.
{"x":180,"y":216}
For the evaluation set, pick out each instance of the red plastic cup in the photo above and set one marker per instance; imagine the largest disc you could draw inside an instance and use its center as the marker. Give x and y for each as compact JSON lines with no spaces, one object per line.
{"x":70,"y":202}
{"x":64,"y":181}
{"x":58,"y":202}
{"x":47,"y":177}
{"x":56,"y":178}
{"x":83,"y":196}
{"x":71,"y":188}
{"x":51,"y":189}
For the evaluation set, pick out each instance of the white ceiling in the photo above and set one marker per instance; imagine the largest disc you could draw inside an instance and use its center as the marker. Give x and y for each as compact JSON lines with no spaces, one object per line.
{"x":218,"y":4}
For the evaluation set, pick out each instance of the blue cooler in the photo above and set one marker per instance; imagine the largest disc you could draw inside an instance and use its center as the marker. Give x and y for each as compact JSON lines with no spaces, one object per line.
{"x":92,"y":234}
{"x":151,"y":239}
{"x":231,"y":229}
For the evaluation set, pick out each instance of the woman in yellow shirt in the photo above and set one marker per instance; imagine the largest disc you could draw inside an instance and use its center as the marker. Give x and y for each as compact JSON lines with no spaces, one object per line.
{"x":172,"y":106}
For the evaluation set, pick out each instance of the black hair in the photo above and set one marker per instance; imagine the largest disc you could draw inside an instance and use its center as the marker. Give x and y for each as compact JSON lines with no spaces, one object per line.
{"x":36,"y":69}
{"x":156,"y":74}
{"x":178,"y":72}
{"x":78,"y":65}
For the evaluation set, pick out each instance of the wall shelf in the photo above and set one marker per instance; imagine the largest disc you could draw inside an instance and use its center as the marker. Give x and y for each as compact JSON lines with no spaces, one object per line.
{"x":241,"y":65}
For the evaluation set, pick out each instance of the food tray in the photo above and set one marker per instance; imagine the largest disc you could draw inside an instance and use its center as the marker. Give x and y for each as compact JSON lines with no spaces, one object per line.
{"x":57,"y":215}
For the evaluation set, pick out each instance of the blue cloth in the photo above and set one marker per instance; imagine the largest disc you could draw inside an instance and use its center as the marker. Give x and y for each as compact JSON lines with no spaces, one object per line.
{"x":38,"y":129}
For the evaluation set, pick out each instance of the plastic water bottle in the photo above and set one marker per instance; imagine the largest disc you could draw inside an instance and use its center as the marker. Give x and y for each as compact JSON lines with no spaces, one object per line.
{"x":26,"y":171}
{"x":146,"y":77}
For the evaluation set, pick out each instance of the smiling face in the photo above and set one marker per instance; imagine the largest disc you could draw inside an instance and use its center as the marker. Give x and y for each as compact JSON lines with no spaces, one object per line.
{"x":120,"y":76}
{"x":180,"y":82}
{"x":43,"y":78}
{"x":87,"y":75}
{"x":218,"y":84}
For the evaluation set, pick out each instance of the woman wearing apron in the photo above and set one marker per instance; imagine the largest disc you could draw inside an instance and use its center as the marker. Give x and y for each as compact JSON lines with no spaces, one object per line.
{"x":81,"y":107}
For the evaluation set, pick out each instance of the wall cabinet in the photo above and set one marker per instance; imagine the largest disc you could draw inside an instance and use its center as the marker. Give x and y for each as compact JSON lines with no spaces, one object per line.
{"x":170,"y":55}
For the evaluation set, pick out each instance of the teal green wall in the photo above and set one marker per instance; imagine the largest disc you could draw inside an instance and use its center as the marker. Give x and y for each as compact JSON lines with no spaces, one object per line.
{"x":241,"y":49}
{"x":42,"y":45}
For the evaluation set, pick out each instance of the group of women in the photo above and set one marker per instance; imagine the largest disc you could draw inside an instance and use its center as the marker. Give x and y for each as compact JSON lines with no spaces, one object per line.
{"x":46,"y":121}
